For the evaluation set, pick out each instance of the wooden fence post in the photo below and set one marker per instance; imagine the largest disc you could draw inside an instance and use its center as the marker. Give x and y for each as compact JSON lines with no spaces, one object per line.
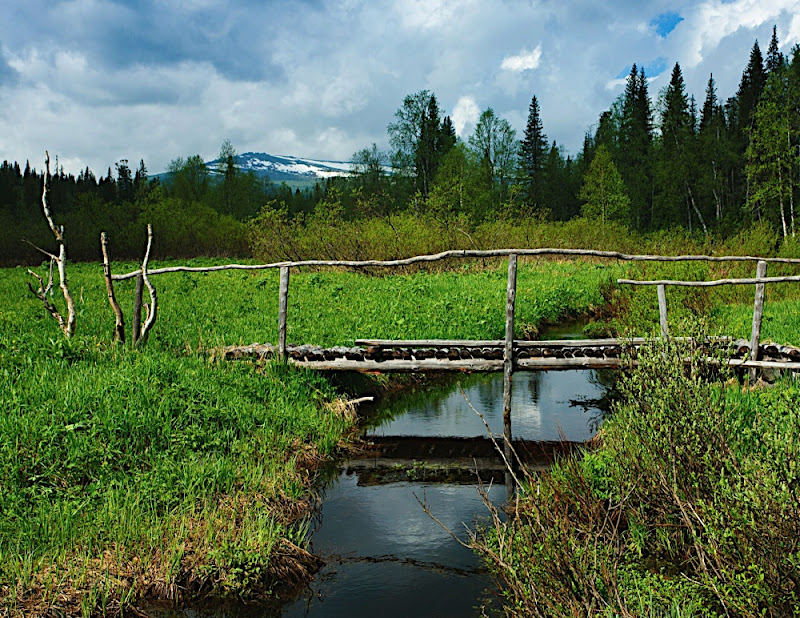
{"x":282,"y":305}
{"x":758,"y":314}
{"x":662,"y":310}
{"x":136,"y":324}
{"x":508,"y":365}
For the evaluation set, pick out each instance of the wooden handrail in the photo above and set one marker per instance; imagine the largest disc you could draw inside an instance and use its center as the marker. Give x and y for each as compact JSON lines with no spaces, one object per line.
{"x":466,"y":253}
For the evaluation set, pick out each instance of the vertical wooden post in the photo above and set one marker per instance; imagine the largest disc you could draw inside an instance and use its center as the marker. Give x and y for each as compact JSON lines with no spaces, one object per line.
{"x":662,"y":310}
{"x":758,"y":314}
{"x":282,"y":305}
{"x":508,"y":366}
{"x":136,"y":324}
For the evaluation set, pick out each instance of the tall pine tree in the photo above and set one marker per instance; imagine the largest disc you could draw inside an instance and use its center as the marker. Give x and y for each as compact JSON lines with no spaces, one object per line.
{"x":533,"y":153}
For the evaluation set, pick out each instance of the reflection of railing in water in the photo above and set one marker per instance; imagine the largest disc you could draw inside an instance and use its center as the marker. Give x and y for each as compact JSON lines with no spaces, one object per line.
{"x":388,"y":459}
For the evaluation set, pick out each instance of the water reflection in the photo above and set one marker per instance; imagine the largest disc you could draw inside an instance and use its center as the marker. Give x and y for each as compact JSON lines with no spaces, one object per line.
{"x":543,"y":405}
{"x":386,"y":557}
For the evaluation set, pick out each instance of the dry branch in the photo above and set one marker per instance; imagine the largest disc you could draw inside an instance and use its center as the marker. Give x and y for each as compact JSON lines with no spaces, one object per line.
{"x":152,"y":308}
{"x":466,"y":253}
{"x":42,"y":293}
{"x":67,"y":325}
{"x":119,"y":325}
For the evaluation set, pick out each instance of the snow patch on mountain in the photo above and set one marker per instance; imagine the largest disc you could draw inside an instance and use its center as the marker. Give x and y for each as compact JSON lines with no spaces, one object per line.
{"x":285,"y":167}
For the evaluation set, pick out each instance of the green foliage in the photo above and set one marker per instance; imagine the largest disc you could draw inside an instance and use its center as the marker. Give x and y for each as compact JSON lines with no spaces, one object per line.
{"x":689,"y":506}
{"x":603,"y":190}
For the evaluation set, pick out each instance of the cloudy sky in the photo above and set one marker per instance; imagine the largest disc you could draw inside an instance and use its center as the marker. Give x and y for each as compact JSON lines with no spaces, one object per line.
{"x":95,"y":81}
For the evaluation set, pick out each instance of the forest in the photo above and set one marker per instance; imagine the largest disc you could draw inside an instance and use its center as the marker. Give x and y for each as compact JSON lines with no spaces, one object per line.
{"x":651,"y":163}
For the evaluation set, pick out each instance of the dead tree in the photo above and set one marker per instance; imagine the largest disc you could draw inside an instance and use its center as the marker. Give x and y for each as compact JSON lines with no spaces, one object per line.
{"x":67,"y":325}
{"x":119,"y":317}
{"x":140,"y":332}
{"x":151,"y":310}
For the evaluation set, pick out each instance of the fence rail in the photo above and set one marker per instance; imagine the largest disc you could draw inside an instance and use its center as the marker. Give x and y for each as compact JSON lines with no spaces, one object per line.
{"x":760,"y":281}
{"x":465,"y":253}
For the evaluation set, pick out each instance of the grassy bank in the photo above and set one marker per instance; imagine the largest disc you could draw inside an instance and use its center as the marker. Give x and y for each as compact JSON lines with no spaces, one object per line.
{"x":689,"y":503}
{"x":157,"y":473}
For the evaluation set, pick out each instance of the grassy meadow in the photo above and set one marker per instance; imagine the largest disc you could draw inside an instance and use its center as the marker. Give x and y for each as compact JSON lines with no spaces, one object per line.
{"x":132,"y":474}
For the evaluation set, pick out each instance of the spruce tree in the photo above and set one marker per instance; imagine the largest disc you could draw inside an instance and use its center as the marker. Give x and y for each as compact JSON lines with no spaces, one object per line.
{"x":774,"y":61}
{"x":533,"y":152}
{"x":678,"y":156}
{"x":635,"y":153}
{"x":750,"y":87}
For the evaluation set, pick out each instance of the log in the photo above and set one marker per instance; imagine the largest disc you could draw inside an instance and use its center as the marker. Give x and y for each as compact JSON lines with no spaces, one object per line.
{"x":136,"y":326}
{"x":152,"y":310}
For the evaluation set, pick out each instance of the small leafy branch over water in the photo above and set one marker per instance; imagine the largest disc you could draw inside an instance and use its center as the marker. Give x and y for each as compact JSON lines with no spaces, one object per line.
{"x":689,"y":506}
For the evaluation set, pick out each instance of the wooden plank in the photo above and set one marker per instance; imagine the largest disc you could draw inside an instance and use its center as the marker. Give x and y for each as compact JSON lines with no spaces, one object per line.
{"x":555,"y":364}
{"x":402,"y":366}
{"x":758,"y":313}
{"x":508,"y":353}
{"x":662,"y":311}
{"x":486,"y":366}
{"x":737,"y":362}
{"x":283,"y":302}
{"x":518,"y":343}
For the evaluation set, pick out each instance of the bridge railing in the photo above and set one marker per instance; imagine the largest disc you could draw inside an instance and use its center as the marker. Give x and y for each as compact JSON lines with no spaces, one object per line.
{"x":512,"y":254}
{"x":760,"y":281}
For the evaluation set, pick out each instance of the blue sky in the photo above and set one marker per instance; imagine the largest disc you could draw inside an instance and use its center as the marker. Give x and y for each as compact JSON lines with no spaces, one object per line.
{"x":95,"y":81}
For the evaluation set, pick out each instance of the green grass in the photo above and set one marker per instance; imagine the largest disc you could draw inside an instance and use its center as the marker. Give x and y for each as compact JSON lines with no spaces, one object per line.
{"x":137,"y":473}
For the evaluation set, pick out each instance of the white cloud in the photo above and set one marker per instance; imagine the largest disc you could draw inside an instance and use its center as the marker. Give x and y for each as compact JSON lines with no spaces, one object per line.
{"x":524,"y":61}
{"x":429,"y":14}
{"x":793,"y":35}
{"x":613,"y":84}
{"x":465,"y":114}
{"x":712,"y":21}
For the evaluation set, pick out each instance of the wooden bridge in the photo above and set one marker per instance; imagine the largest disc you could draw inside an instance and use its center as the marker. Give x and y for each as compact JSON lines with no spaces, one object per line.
{"x":410,"y":356}
{"x":508,"y":355}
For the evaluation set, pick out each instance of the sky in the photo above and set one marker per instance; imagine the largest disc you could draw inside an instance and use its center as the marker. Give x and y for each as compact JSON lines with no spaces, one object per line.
{"x":97,"y":81}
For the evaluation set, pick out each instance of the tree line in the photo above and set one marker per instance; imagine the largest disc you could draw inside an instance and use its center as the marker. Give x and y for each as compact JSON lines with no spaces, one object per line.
{"x":649,"y":164}
{"x":194,"y":210}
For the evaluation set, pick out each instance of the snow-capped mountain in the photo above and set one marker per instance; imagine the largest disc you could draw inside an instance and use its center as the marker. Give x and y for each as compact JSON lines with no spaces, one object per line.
{"x":285,"y":168}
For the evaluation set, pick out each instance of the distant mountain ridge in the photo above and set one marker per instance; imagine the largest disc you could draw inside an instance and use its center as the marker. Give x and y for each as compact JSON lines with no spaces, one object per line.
{"x":285,"y":168}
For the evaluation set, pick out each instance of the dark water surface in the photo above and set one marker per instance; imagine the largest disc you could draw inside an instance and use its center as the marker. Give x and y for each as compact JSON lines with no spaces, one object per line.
{"x":384,"y":555}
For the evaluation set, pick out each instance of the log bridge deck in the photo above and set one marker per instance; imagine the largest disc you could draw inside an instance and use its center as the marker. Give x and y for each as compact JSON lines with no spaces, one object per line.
{"x":385,"y":356}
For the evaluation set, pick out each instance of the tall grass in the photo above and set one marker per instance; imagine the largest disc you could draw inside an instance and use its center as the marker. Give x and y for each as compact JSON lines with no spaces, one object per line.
{"x":157,"y":472}
{"x":690,"y":506}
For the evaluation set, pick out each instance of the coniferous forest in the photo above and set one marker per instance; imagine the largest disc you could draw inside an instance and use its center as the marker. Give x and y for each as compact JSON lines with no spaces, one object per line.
{"x":710,"y":166}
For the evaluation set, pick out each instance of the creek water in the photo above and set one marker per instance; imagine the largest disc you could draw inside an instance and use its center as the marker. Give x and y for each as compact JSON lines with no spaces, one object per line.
{"x":384,"y":556}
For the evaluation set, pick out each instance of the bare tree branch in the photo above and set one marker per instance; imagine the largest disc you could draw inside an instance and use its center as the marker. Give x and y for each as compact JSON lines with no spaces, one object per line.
{"x":68,"y":325}
{"x":41,"y":294}
{"x":39,"y":249}
{"x":152,"y":309}
{"x":119,"y":326}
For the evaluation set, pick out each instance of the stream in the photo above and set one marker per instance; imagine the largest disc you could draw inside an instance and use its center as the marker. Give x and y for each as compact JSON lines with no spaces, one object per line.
{"x":384,"y":556}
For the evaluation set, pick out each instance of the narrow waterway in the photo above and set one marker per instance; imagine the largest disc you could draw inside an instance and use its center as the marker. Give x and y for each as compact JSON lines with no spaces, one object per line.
{"x":384,"y":556}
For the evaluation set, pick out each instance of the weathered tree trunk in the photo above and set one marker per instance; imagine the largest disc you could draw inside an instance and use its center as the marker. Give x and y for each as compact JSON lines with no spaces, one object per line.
{"x":152,"y":309}
{"x":119,"y":317}
{"x":67,"y":325}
